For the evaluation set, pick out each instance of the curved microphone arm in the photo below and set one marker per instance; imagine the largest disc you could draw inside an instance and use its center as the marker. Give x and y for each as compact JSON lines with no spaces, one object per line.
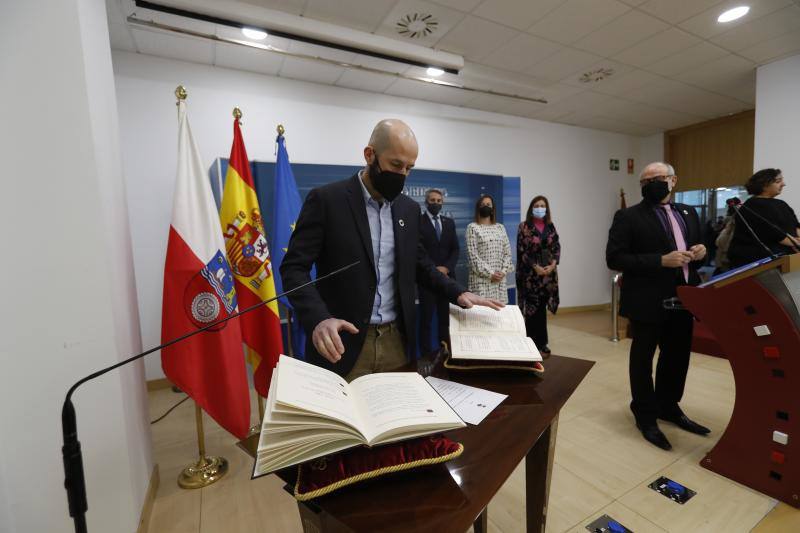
{"x":770,"y":253}
{"x":74,"y":481}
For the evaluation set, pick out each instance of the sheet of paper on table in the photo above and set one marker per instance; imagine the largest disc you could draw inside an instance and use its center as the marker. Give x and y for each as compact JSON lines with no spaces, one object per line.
{"x":470,"y":403}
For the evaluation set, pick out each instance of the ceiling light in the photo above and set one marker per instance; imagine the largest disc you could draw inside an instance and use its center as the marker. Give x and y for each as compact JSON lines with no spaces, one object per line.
{"x":252,"y":33}
{"x":296,"y":28}
{"x":733,"y":14}
{"x":433,"y":71}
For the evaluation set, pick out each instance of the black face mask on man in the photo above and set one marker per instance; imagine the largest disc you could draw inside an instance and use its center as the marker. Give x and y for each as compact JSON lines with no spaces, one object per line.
{"x":655,"y":191}
{"x":389,"y":184}
{"x":433,"y":208}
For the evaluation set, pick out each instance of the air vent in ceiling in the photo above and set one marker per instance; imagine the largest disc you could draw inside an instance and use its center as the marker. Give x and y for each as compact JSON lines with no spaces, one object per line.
{"x":593,"y":76}
{"x":416,"y":25}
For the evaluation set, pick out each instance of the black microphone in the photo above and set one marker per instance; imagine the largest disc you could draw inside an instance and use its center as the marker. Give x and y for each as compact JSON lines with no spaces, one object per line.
{"x":74,"y":481}
{"x":770,"y":253}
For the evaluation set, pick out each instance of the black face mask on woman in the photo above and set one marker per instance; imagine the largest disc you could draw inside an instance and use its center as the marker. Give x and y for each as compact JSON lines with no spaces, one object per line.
{"x":389,"y":184}
{"x":485,"y":210}
{"x":655,"y":191}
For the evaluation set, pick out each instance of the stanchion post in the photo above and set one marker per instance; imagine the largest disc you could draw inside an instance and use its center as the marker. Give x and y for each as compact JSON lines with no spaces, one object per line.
{"x":615,"y":306}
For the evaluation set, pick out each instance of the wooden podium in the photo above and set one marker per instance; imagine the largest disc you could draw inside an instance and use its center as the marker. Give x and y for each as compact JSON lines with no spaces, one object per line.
{"x":755,"y":316}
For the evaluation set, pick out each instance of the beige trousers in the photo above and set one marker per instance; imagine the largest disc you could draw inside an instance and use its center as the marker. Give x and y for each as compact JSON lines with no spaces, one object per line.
{"x":383,"y":351}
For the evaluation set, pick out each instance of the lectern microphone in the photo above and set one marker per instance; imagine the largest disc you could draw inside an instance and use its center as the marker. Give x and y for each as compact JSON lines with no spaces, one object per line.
{"x":770,"y":253}
{"x":74,"y":480}
{"x":791,"y":237}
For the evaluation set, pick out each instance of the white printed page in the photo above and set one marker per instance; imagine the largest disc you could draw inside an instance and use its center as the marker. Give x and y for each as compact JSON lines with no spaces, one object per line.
{"x":481,"y":319}
{"x":400,"y":403}
{"x":493,"y":347}
{"x":470,"y":403}
{"x":311,"y":388}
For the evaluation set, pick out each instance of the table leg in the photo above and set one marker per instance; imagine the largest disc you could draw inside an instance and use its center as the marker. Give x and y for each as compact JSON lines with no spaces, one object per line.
{"x":315,"y":520}
{"x":481,"y":525}
{"x":310,"y":519}
{"x":538,"y":471}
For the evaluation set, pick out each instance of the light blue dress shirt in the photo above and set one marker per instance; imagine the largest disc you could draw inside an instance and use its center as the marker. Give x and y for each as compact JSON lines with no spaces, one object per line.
{"x":381,"y":230}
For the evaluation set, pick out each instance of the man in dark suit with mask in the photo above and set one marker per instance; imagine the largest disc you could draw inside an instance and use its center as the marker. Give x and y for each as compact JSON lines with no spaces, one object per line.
{"x":439,"y":239}
{"x":656,"y":245}
{"x":364,"y":320}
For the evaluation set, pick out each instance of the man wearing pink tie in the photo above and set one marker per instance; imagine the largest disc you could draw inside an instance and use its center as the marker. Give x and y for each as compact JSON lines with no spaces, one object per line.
{"x":656,"y":245}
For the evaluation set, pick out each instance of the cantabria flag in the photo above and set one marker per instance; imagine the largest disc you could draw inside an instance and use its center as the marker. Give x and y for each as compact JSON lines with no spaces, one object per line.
{"x":248,"y":252}
{"x":199,"y":290}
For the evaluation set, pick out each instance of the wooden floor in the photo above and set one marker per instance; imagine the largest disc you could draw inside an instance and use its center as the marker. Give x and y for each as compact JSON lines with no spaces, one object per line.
{"x":602,"y":464}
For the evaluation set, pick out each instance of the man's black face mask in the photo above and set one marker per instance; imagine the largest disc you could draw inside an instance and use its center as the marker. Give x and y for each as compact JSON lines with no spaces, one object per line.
{"x":389,"y":184}
{"x":655,"y":191}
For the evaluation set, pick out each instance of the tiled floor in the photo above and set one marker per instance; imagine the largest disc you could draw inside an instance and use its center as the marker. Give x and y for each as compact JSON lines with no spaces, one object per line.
{"x":602,"y":465}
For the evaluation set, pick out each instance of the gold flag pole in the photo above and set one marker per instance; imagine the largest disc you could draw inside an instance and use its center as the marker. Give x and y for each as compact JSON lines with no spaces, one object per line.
{"x":208,"y":469}
{"x":260,"y":410}
{"x":180,"y":93}
{"x":256,"y":428}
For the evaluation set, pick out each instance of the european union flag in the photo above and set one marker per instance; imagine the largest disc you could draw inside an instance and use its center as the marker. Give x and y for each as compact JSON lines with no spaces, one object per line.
{"x":285,"y":213}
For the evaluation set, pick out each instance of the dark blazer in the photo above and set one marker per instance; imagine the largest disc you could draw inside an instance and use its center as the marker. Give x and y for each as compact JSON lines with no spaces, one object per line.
{"x":444,"y":251}
{"x":333,"y":231}
{"x":636,"y":241}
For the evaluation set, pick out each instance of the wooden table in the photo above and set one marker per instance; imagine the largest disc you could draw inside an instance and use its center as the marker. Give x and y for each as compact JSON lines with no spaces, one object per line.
{"x":454,"y":496}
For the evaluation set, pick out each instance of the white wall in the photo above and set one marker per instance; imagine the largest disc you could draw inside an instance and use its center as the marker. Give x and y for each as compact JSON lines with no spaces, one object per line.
{"x":777,"y":138}
{"x":331,"y":125}
{"x":68,"y":276}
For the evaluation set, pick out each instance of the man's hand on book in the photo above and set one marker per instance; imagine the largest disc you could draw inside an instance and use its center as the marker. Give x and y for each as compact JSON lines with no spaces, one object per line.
{"x":468,"y":299}
{"x":326,"y":338}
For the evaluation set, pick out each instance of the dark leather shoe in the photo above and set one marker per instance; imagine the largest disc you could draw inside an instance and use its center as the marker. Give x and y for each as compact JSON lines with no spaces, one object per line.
{"x":654,"y":436}
{"x":545,"y":349}
{"x":686,"y":424}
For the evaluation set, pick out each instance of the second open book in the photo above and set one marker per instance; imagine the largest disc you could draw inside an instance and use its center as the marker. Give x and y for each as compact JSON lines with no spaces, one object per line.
{"x":483,"y":334}
{"x":311,"y":412}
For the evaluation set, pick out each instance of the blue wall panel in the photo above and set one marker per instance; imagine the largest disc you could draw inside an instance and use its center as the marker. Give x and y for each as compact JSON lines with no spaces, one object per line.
{"x":461,"y":191}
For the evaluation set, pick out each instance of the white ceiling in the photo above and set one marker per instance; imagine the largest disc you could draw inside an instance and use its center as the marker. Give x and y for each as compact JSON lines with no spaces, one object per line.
{"x":673,"y":64}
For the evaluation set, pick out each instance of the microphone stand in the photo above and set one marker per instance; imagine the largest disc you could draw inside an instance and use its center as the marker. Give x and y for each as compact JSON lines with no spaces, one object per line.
{"x":74,"y":481}
{"x":792,"y":238}
{"x":753,"y":233}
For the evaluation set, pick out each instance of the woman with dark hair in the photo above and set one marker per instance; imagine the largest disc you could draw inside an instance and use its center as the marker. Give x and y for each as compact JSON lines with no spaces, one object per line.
{"x":770,"y":219}
{"x":538,"y":254}
{"x":489,"y":252}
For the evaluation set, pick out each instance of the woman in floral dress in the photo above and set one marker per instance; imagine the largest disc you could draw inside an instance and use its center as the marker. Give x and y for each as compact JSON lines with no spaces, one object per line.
{"x":489,"y":252}
{"x":538,"y":254}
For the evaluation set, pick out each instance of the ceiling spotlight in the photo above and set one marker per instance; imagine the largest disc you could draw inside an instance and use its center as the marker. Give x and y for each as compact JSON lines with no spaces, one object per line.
{"x":733,"y":14}
{"x":433,"y":71}
{"x":252,"y":33}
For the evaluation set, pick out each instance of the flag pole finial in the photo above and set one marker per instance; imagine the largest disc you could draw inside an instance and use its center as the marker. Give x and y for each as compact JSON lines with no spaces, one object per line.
{"x":180,"y":92}
{"x":237,"y":113}
{"x":281,"y":129}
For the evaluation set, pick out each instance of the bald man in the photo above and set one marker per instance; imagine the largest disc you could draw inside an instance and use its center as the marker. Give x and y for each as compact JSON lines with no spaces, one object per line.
{"x":656,"y":245}
{"x":364,"y":320}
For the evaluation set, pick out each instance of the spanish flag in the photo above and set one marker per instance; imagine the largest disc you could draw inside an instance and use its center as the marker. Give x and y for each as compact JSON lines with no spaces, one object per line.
{"x":251,"y":263}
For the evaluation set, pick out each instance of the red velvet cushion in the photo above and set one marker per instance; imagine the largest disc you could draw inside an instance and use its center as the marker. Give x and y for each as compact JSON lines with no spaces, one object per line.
{"x":326,"y":474}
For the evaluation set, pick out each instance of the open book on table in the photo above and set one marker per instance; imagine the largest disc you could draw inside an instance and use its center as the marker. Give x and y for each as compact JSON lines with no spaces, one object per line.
{"x":311,"y":412}
{"x":483,"y":334}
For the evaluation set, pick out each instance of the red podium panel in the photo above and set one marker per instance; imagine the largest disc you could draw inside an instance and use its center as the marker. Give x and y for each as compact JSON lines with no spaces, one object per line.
{"x":752,"y":319}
